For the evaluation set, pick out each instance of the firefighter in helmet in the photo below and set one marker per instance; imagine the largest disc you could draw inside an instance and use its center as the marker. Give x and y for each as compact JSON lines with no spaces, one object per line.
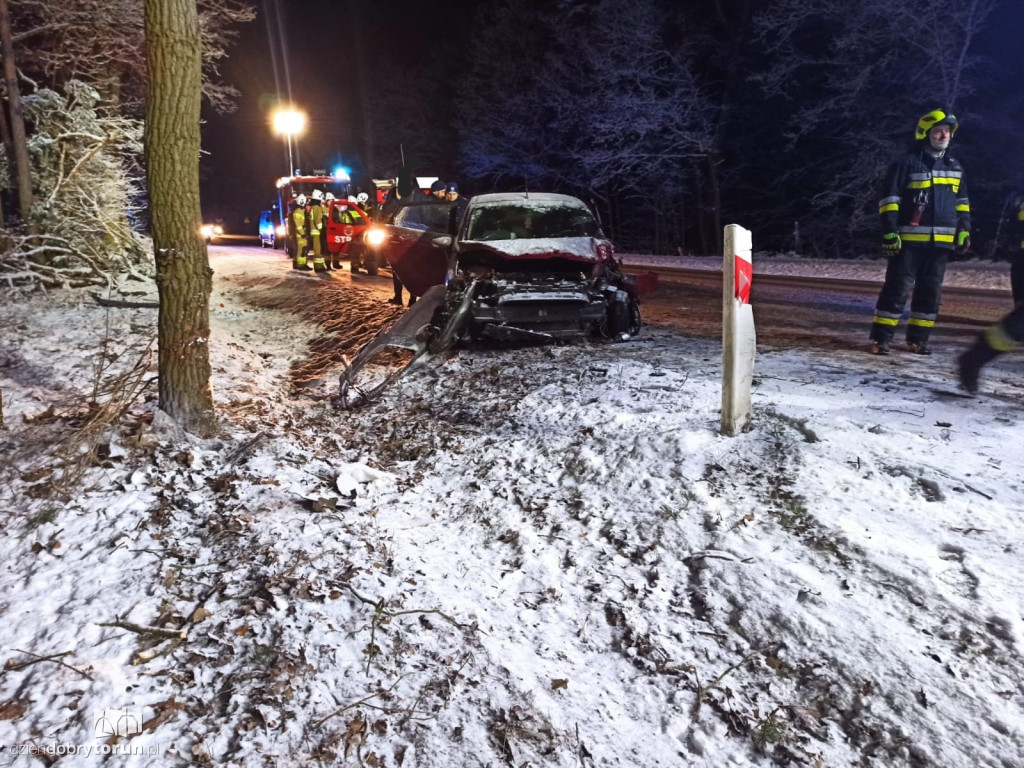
{"x":925,"y":215}
{"x":1017,"y":260}
{"x":324,"y":249}
{"x":317,"y":224}
{"x":297,"y":233}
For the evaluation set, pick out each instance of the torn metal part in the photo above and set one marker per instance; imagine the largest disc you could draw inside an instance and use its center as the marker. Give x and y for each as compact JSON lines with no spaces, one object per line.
{"x":393,"y":351}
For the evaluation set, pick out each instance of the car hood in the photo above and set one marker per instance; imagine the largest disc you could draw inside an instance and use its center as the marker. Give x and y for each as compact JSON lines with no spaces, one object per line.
{"x":572,"y":248}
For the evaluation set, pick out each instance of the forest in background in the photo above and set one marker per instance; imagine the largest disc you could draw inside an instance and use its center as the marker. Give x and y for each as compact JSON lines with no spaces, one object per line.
{"x":677,"y":118}
{"x":673,"y":119}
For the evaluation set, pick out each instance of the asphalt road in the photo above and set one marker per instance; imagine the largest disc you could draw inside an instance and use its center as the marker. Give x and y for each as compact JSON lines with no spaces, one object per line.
{"x":788,"y":311}
{"x":805,"y":312}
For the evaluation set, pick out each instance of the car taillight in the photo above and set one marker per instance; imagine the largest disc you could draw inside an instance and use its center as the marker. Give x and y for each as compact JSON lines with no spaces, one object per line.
{"x":375,"y":236}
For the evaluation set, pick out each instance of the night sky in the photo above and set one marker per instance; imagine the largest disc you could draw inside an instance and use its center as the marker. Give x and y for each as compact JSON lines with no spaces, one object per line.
{"x":313,"y":46}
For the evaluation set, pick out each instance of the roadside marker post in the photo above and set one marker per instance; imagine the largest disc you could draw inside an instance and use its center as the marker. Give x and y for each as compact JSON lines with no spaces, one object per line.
{"x":738,"y":338}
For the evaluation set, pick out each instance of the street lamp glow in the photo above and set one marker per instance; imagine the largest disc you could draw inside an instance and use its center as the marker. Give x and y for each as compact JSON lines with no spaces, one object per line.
{"x":289,"y":122}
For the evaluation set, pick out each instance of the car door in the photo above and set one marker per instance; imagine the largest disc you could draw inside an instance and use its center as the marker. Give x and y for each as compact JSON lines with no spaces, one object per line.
{"x":345,"y":221}
{"x":418,"y":242}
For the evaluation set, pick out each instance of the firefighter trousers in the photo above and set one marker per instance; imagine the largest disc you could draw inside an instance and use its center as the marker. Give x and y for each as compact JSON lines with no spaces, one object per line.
{"x":1017,"y":276}
{"x":299,"y":262}
{"x":318,"y":255}
{"x":914,"y":269}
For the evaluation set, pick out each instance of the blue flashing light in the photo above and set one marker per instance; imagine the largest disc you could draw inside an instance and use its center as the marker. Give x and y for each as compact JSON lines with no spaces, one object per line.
{"x":341,"y":172}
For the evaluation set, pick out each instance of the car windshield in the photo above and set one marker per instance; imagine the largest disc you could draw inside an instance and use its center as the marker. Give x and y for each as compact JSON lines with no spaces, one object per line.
{"x":428,"y":217}
{"x":512,"y":222}
{"x":345,"y":215}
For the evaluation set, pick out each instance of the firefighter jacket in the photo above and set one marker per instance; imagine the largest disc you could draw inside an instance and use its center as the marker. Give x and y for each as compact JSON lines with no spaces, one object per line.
{"x":316,"y":220}
{"x":925,"y":200}
{"x":298,"y":223}
{"x":1020,"y":221}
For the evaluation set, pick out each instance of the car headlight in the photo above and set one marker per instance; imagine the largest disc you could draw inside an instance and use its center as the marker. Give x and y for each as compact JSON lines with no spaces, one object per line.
{"x":281,"y":231}
{"x":207,"y":230}
{"x":218,"y":229}
{"x":375,"y":236}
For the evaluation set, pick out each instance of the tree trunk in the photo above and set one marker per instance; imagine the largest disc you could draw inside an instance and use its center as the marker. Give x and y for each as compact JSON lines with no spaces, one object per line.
{"x":716,"y":200}
{"x":23,"y":169}
{"x":184,"y":277}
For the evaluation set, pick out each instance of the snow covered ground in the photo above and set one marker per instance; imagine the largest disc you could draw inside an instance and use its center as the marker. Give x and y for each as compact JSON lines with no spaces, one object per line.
{"x":533,"y":557}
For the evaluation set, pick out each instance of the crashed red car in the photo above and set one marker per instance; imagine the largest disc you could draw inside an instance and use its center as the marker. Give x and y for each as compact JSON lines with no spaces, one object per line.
{"x":519,"y":267}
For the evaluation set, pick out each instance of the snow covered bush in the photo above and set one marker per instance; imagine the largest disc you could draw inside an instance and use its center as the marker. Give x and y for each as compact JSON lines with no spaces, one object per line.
{"x":86,"y":176}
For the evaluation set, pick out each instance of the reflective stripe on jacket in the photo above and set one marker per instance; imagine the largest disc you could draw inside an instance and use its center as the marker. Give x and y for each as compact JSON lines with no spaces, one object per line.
{"x":935,"y":186}
{"x":298,"y":219}
{"x":316,"y":219}
{"x":1020,"y":221}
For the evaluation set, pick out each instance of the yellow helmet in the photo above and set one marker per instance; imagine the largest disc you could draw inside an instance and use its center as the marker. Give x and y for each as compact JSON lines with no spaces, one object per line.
{"x":933,"y":118}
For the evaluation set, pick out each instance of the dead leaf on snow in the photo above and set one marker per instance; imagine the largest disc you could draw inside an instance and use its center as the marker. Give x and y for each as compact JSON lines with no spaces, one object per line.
{"x":36,"y":474}
{"x":321,"y":504}
{"x":13,"y":709}
{"x":808,"y":717}
{"x":355,"y":734}
{"x":559,"y":682}
{"x":201,"y":614}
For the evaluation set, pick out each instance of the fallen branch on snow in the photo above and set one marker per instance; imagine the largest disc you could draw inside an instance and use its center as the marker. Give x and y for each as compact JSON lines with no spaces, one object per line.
{"x":125,"y":304}
{"x":36,"y":659}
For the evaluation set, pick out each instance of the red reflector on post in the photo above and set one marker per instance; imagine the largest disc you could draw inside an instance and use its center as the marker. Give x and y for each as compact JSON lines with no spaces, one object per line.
{"x":744,"y":277}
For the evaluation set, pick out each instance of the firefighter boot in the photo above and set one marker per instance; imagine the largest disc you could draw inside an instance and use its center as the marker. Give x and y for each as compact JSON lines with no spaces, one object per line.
{"x":970,"y":363}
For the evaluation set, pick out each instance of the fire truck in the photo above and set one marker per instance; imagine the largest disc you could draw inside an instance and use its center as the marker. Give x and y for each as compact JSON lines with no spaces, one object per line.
{"x":273,"y":222}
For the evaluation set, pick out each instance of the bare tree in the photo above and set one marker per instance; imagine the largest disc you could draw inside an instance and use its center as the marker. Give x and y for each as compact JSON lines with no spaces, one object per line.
{"x":184,"y":277}
{"x":504,"y":102}
{"x":81,"y":70}
{"x":577,"y":99}
{"x":19,"y":143}
{"x":101,"y":42}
